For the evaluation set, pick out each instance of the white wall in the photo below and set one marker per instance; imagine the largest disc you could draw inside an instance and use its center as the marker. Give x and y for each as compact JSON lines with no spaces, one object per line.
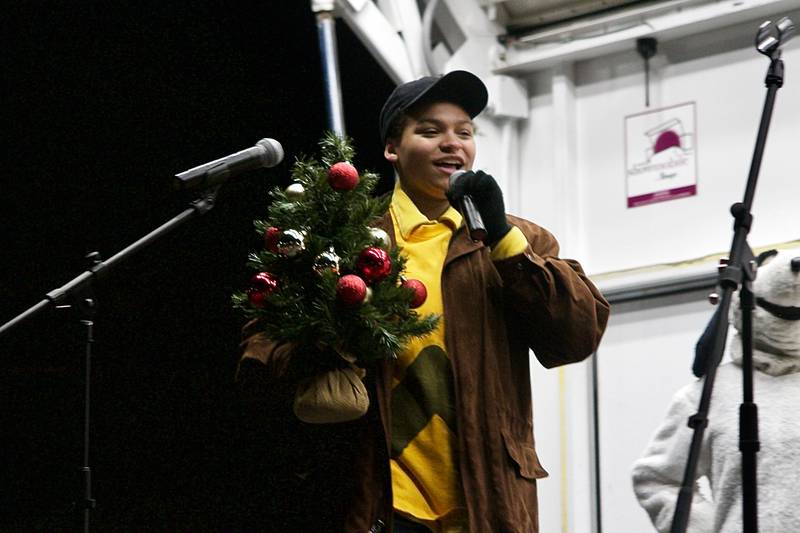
{"x":724,"y":75}
{"x":646,"y":356}
{"x":571,"y":180}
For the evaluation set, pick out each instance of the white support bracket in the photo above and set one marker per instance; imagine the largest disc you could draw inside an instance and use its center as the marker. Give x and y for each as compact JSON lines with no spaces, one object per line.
{"x":379,"y":36}
{"x":405,"y":17}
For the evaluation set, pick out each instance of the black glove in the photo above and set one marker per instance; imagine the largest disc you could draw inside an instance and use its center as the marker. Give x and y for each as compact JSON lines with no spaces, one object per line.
{"x":488,"y":200}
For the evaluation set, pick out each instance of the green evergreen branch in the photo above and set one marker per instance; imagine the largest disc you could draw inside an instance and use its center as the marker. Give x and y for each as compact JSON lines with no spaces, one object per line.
{"x":304,"y":309}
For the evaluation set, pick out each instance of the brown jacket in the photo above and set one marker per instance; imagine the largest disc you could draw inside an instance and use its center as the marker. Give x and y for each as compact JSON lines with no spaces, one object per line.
{"x":495,"y":312}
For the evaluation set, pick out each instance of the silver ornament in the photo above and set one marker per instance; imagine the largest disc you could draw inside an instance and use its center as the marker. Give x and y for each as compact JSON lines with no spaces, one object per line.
{"x":380,"y":238}
{"x":326,"y":261}
{"x":295,"y":192}
{"x":291,"y":242}
{"x":368,"y":296}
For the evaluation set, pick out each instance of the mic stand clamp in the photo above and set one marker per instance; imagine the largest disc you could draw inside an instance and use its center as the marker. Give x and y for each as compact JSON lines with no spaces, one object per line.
{"x":206,"y":203}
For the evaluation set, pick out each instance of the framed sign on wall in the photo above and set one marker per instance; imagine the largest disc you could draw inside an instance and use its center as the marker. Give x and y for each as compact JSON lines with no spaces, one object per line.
{"x":661,"y":154}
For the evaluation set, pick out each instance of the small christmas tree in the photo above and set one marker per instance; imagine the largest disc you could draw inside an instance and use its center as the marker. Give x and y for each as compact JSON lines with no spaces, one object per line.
{"x":326,"y":277}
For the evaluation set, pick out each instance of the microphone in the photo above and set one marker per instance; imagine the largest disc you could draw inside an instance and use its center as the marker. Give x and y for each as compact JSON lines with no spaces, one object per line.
{"x":266,"y":153}
{"x":477,"y":231}
{"x":772,"y":36}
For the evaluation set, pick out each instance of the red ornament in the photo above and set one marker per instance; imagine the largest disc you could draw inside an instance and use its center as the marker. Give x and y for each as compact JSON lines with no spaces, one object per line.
{"x":261,"y":285}
{"x":256,"y":298}
{"x":271,"y":235}
{"x":374,"y":264}
{"x":351,"y":290}
{"x":342,"y":176}
{"x":420,"y":292}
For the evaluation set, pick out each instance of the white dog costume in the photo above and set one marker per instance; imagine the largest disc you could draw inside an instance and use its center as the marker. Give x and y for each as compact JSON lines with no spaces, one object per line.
{"x":658,"y":474}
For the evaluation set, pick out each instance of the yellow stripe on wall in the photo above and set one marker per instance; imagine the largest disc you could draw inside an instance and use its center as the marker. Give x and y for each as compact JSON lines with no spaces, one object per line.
{"x":562,"y":416}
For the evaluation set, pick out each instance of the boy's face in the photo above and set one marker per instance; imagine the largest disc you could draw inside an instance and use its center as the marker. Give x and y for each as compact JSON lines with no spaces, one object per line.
{"x":437,"y":140}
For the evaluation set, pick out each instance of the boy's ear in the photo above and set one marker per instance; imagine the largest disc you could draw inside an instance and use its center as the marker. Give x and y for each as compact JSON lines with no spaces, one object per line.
{"x":390,"y":152}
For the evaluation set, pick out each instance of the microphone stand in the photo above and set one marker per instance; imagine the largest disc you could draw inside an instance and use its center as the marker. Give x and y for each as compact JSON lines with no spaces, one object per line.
{"x":79,"y":293}
{"x":738,"y":270}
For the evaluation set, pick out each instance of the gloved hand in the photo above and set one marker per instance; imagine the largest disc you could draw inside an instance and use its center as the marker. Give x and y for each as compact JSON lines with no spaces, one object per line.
{"x":488,"y":200}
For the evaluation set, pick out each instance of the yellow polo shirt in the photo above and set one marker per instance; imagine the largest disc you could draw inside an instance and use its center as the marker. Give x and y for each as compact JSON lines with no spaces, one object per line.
{"x":424,"y":455}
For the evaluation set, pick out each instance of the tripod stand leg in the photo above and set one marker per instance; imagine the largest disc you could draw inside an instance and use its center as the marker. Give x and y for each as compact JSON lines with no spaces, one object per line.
{"x":748,"y":416}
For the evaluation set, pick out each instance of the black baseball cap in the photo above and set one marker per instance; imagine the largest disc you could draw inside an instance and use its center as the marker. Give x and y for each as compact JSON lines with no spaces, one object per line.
{"x":458,"y":87}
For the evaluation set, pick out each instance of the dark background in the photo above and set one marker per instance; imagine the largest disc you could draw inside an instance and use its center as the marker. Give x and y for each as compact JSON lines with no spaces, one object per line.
{"x":102,"y":106}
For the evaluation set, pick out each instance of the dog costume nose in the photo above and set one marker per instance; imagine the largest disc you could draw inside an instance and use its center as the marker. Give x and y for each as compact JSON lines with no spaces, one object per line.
{"x":796,"y":264}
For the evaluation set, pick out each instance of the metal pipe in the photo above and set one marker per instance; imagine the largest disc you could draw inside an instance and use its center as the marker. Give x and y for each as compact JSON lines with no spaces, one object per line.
{"x":326,"y":33}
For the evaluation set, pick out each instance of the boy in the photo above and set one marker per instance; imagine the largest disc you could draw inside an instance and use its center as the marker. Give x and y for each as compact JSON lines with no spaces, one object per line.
{"x":448,"y":443}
